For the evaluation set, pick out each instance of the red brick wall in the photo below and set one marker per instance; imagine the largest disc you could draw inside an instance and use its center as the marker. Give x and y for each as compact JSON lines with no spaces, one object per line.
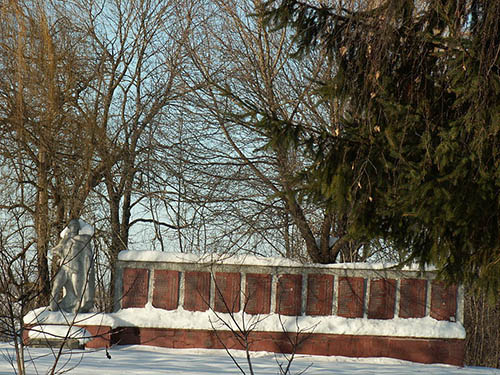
{"x":345,"y":293}
{"x":418,"y":350}
{"x":101,"y":336}
{"x":450,"y":351}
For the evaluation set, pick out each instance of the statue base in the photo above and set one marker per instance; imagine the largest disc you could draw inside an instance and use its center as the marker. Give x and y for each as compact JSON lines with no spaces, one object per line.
{"x":46,"y":328}
{"x":56,"y":343}
{"x":57,"y":335}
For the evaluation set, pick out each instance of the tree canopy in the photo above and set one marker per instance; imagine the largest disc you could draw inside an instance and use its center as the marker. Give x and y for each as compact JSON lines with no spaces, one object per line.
{"x":414,"y":156}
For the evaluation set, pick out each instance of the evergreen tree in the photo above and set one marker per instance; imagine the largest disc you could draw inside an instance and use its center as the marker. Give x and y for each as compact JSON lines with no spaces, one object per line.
{"x":415,"y":156}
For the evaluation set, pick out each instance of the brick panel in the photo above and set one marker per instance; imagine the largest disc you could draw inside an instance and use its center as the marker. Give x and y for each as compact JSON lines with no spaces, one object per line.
{"x":413,"y":294}
{"x":289,"y":295}
{"x":166,"y":289}
{"x":196,"y":291}
{"x":135,"y":287}
{"x":382,"y":299}
{"x":351,"y":297}
{"x":101,"y":336}
{"x":126,"y":336}
{"x":258,"y":293}
{"x":227,"y":291}
{"x":443,"y":301}
{"x":319,"y":294}
{"x":449,"y":351}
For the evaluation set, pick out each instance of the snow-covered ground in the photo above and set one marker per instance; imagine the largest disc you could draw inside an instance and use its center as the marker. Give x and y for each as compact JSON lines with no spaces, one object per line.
{"x":139,"y":360}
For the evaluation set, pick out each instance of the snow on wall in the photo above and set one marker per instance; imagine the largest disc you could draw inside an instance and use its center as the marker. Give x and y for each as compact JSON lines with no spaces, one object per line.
{"x":246,"y":260}
{"x":150,"y":317}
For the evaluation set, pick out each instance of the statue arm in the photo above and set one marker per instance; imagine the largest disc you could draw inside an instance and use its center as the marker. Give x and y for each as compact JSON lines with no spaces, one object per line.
{"x":59,"y":249}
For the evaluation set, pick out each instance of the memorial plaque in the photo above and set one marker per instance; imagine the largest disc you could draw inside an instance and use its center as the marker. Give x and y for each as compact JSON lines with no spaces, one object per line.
{"x":196,"y":291}
{"x":412,"y":299}
{"x":135,"y":287}
{"x":166,"y":289}
{"x":289,"y":295}
{"x":351,"y":297}
{"x":382,"y":299}
{"x":319,"y":294}
{"x":227,"y":291}
{"x":443,"y":301}
{"x":258,"y":293}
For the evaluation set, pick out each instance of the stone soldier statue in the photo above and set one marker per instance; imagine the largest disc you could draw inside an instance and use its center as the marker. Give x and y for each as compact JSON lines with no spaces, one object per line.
{"x":75,"y":276}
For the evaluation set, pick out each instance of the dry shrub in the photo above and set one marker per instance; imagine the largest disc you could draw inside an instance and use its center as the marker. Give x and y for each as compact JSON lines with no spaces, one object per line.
{"x":482,"y":324}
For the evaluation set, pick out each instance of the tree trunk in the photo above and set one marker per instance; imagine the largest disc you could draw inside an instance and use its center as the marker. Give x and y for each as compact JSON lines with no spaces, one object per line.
{"x":116,"y":243}
{"x":42,"y":230}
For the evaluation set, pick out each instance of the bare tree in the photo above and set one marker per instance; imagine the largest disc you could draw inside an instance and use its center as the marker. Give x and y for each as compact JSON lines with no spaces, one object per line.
{"x":139,"y":50}
{"x":18,"y":287}
{"x":50,"y":147}
{"x":243,"y":327}
{"x":80,"y":106}
{"x":242,"y":73}
{"x":482,"y":325}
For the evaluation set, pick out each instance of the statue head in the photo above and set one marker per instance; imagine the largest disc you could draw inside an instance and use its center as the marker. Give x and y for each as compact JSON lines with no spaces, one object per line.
{"x":74,"y":227}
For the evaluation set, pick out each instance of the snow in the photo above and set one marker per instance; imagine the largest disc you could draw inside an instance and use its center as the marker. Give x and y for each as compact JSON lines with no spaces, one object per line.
{"x":142,"y":360}
{"x":151,"y":317}
{"x":247,"y":259}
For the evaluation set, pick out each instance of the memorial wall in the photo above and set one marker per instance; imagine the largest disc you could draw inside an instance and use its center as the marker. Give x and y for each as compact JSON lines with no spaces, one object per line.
{"x":277,"y":305}
{"x":356,"y":310}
